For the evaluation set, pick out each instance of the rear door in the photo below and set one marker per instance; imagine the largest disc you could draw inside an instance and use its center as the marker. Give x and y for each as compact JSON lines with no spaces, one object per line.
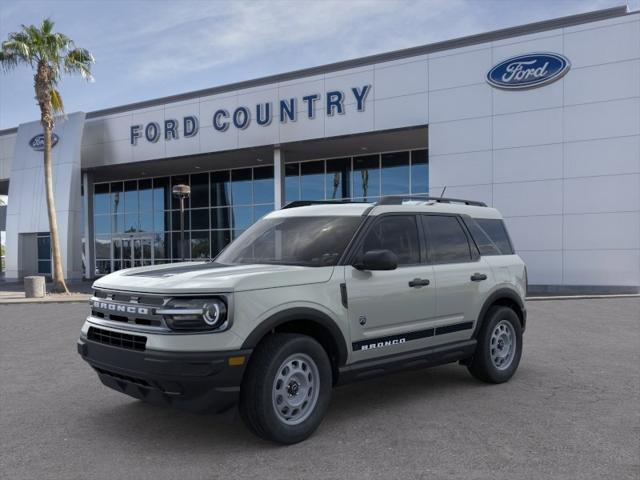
{"x":389,"y":311}
{"x":461,"y":276}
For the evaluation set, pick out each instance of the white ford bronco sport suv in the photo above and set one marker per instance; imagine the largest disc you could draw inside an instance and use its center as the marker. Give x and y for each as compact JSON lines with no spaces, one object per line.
{"x":311,"y":296}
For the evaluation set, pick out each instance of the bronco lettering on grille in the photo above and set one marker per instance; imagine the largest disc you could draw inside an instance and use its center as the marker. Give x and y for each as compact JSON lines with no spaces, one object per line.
{"x":118,"y":307}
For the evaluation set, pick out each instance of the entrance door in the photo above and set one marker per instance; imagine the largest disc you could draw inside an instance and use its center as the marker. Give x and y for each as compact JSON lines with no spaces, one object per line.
{"x":132,"y":252}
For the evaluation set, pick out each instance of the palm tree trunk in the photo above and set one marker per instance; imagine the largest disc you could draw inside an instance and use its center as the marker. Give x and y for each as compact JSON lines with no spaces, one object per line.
{"x":59,"y":284}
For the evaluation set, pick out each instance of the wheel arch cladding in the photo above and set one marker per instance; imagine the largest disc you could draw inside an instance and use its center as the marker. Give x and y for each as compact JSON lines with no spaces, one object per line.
{"x":307,"y":321}
{"x":506,"y":298}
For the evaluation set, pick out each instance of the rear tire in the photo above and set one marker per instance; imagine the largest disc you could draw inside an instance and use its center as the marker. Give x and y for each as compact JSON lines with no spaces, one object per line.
{"x":286,"y":389}
{"x":499,"y":346}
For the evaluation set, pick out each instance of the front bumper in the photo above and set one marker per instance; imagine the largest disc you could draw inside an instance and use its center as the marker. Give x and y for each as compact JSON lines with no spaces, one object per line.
{"x":195,"y":381}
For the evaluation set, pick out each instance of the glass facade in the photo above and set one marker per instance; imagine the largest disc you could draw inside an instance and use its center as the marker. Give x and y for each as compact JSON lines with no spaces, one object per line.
{"x":137,"y":222}
{"x":363,"y":177}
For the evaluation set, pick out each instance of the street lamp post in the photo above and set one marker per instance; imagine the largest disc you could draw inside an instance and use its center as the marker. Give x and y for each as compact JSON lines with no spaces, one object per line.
{"x":182,"y":192}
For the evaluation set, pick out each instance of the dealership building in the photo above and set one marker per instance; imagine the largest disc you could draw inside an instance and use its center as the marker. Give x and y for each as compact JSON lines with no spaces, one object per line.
{"x":541,"y":121}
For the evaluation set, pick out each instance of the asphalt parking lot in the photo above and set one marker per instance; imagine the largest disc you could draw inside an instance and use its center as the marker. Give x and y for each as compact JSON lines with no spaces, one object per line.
{"x":571,"y":412}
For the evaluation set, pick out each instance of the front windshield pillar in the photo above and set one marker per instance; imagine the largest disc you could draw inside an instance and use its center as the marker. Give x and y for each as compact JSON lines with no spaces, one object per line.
{"x":278,"y":178}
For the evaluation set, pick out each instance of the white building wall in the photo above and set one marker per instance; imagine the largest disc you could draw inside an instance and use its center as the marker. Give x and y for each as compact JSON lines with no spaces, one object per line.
{"x":562,"y":162}
{"x":7,"y":146}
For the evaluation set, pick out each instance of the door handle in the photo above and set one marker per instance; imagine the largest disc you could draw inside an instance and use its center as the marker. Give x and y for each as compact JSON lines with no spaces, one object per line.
{"x":419,"y":282}
{"x":478,"y":277}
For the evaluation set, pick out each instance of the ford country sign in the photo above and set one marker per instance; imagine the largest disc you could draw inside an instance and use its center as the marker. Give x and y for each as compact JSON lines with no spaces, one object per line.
{"x":528,"y":71}
{"x":37,"y":142}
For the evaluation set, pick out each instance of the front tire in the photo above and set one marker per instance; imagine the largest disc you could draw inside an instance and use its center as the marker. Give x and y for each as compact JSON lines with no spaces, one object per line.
{"x":286,"y":389}
{"x":499,"y":346}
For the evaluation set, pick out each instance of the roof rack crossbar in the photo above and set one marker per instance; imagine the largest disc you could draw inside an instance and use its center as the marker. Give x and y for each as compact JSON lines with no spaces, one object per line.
{"x":398,"y":199}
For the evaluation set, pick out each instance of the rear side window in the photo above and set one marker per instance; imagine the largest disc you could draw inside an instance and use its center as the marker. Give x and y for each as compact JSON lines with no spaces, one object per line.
{"x":446,"y":239}
{"x":397,"y":233}
{"x":497,"y":232}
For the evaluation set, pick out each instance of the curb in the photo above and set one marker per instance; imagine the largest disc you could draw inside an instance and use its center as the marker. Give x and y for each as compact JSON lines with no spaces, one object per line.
{"x":582,"y":297}
{"x":61,"y":299}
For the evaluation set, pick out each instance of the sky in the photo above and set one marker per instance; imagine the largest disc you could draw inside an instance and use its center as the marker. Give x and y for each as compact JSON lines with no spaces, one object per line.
{"x":146,"y":49}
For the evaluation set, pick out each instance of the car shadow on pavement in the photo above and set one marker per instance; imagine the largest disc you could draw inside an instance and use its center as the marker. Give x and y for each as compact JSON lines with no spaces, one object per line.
{"x":142,"y":423}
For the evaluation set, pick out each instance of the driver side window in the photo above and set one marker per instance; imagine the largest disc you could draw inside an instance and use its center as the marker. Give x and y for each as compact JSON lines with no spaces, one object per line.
{"x":397,"y":233}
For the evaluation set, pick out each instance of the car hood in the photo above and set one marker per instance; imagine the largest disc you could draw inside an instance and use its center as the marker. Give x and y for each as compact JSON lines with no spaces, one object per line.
{"x":210,"y":277}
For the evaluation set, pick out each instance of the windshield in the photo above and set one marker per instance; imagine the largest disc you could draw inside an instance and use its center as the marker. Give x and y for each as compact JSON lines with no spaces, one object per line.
{"x":307,"y":241}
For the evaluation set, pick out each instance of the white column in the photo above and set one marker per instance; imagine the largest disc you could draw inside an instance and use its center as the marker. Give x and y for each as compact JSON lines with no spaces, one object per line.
{"x":87,"y":200}
{"x":278,"y":177}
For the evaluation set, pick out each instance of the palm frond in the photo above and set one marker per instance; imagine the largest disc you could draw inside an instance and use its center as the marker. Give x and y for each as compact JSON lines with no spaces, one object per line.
{"x":79,"y":60}
{"x":56,"y":101}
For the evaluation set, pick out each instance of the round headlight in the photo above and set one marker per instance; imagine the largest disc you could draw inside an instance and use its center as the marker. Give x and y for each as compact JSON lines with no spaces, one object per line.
{"x":211,"y":313}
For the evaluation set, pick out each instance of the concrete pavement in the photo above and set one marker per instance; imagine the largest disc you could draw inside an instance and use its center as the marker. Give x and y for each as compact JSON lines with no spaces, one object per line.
{"x":571,"y":412}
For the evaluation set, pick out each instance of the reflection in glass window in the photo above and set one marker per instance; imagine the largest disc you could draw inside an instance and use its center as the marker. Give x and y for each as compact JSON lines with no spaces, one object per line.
{"x":44,"y":246}
{"x":292,"y":182}
{"x":241,"y":191}
{"x":146,"y":222}
{"x":131,"y":223}
{"x":101,"y":198}
{"x":397,"y":233}
{"x":395,"y":173}
{"x":219,"y":240}
{"x":161,"y":194}
{"x":220,"y":218}
{"x":175,"y":220}
{"x":220,"y":189}
{"x":263,"y":185}
{"x":338,"y":179}
{"x":103,"y":267}
{"x":117,"y":193}
{"x":447,"y":240}
{"x":419,"y":171}
{"x":102,"y":224}
{"x":200,"y":219}
{"x":242,"y":217}
{"x":260,"y":211}
{"x":103,"y":247}
{"x":161,"y":221}
{"x":200,"y":190}
{"x":366,"y":177}
{"x":145,"y":195}
{"x":199,"y":245}
{"x":179,"y":180}
{"x":131,"y":203}
{"x":161,"y":243}
{"x":312,"y":180}
{"x":176,"y":244}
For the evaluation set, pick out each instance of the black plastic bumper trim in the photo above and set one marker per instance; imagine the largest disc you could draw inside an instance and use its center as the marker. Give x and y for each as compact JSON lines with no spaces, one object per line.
{"x":196,"y":381}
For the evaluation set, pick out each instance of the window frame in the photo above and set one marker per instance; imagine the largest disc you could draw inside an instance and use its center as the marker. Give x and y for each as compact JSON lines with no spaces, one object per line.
{"x":473,"y":249}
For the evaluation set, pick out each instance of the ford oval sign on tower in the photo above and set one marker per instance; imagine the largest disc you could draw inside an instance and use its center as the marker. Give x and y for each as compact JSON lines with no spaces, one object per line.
{"x":528,"y":71}
{"x":37,"y":142}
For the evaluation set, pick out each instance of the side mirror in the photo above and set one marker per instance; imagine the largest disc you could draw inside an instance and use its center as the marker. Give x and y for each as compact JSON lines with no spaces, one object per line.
{"x":377,"y":260}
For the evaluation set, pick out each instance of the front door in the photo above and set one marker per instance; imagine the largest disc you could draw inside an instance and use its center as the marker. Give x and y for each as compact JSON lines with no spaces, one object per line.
{"x":389,"y":311}
{"x":131,"y":252}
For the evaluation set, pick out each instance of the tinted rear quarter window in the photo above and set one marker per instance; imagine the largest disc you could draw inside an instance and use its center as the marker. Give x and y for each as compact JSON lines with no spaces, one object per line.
{"x":497,"y":232}
{"x":446,"y":239}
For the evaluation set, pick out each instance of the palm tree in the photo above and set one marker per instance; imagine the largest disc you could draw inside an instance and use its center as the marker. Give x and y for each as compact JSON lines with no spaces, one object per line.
{"x":50,"y":55}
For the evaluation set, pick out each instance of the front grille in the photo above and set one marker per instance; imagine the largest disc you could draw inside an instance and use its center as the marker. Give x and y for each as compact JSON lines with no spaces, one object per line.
{"x":117,"y":339}
{"x":131,"y":308}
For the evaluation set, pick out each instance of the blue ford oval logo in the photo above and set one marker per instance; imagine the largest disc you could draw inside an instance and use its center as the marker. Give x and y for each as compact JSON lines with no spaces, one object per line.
{"x":528,"y":71}
{"x":37,"y":142}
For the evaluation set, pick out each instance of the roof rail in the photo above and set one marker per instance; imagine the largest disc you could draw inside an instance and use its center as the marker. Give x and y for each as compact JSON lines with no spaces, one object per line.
{"x":306,"y":203}
{"x":399,"y":199}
